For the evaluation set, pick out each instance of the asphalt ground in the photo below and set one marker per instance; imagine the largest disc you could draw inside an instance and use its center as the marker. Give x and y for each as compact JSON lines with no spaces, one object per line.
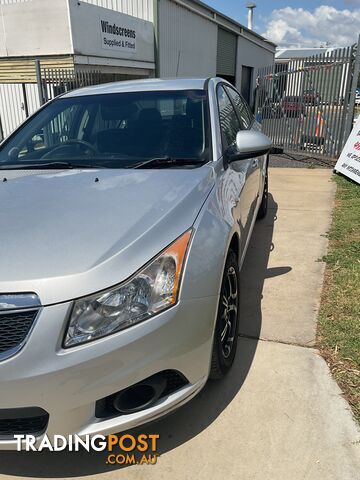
{"x":296,"y":160}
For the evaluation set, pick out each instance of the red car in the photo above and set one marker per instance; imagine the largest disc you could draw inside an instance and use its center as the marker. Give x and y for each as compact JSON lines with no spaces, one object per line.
{"x":293,"y":106}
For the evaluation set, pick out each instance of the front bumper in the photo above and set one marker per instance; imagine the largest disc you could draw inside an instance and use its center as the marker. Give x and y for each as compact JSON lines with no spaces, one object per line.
{"x":67,"y":383}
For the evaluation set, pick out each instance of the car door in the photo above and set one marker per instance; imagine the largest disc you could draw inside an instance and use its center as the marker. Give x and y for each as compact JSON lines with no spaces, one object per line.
{"x":255,"y":165}
{"x":242,"y":169}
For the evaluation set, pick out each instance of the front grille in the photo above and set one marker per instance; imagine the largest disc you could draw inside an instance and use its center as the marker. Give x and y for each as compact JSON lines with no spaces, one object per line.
{"x":174,"y":381}
{"x":14,"y":328}
{"x":23,"y":421}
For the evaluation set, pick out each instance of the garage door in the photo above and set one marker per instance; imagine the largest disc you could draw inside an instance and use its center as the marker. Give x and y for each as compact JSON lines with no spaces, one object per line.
{"x":226,"y":53}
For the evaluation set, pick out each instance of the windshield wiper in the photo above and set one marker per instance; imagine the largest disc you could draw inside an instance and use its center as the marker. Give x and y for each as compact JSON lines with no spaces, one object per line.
{"x":167,"y":162}
{"x":48,"y":165}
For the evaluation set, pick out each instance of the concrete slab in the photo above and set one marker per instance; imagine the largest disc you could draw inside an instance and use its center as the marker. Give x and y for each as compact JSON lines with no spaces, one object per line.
{"x":278,"y":415}
{"x":283,"y":272}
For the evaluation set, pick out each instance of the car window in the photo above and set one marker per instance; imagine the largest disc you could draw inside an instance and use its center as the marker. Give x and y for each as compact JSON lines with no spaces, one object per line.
{"x":229,"y":122}
{"x":242,"y":109}
{"x":55,"y":132}
{"x":114,"y":130}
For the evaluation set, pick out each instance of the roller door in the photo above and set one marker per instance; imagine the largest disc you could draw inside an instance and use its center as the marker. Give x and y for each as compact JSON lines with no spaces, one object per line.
{"x":226,"y":53}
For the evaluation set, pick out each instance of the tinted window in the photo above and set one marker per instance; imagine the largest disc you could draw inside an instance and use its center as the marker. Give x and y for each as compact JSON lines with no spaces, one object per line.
{"x":114,"y":130}
{"x":242,"y":108}
{"x":229,"y":121}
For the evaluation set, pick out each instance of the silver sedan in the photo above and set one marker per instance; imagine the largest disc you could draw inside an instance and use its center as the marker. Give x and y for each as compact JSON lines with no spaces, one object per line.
{"x":126,"y":211}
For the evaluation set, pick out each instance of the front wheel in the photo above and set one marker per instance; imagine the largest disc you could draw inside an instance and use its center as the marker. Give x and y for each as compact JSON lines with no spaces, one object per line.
{"x":227,"y":323}
{"x":264,"y":201}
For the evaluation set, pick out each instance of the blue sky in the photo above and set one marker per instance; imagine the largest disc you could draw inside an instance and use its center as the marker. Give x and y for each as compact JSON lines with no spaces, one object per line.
{"x":299,"y":23}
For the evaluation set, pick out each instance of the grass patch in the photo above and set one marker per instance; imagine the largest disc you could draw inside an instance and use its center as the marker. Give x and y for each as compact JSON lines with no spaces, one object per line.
{"x":339,"y":317}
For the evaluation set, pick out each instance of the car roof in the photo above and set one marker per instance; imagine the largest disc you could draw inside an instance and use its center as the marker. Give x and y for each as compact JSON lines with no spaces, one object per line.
{"x":153,"y":84}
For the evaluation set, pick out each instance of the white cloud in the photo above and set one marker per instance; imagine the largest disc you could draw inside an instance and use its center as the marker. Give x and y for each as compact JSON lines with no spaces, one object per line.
{"x":299,"y":27}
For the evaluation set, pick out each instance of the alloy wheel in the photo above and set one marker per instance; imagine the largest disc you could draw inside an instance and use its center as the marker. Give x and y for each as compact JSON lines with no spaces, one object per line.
{"x":229,"y":303}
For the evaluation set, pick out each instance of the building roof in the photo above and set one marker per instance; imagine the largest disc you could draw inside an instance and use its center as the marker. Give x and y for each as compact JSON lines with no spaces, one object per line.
{"x":151,"y":84}
{"x":288,"y":53}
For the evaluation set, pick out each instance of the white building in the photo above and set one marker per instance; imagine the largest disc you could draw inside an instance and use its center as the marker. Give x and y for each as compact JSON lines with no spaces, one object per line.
{"x":132,"y":38}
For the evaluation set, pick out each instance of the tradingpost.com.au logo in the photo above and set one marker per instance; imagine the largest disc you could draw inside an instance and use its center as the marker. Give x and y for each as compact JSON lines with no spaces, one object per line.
{"x":123,"y":449}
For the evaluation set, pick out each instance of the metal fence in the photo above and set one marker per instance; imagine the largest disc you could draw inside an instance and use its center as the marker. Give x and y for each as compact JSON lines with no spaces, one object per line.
{"x":307,"y":104}
{"x":19,"y":100}
{"x":54,"y":82}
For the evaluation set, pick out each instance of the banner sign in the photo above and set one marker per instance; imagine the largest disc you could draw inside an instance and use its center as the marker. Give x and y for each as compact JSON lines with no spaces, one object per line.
{"x":349,"y":160}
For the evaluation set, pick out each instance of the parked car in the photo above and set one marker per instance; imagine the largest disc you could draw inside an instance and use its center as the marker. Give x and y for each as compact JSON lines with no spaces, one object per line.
{"x":123,"y":232}
{"x":293,"y":106}
{"x":311,"y":97}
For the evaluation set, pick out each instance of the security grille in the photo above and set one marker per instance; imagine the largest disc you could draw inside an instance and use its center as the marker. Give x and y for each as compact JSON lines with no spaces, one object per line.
{"x":306,"y":105}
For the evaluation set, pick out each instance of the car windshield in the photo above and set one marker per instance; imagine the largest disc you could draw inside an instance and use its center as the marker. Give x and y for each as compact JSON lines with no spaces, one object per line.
{"x":118,"y":130}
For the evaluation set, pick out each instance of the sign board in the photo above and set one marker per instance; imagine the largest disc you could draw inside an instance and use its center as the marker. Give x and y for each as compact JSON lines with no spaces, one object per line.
{"x":349,"y":160}
{"x":100,"y":32}
{"x":67,"y":27}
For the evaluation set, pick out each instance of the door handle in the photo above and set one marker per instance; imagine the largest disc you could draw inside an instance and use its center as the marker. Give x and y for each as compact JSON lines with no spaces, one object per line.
{"x":255,"y":163}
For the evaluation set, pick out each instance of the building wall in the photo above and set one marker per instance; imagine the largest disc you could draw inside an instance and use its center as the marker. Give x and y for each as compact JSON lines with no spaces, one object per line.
{"x":9,"y":2}
{"x":187,"y":42}
{"x":22,"y":70}
{"x":36,"y":27}
{"x":138,"y":8}
{"x":250,"y":54}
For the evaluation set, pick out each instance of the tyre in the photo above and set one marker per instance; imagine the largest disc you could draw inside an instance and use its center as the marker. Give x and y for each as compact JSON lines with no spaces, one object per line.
{"x":264,"y":201}
{"x":227,"y":323}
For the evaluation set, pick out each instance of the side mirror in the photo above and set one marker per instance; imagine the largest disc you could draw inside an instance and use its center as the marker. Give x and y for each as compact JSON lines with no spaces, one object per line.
{"x":249,"y":144}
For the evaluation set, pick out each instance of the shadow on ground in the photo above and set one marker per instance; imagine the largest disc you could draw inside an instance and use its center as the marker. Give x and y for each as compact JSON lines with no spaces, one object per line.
{"x":199,"y":413}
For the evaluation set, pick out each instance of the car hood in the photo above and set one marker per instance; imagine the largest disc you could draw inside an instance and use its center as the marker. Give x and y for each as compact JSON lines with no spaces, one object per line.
{"x":70,"y":233}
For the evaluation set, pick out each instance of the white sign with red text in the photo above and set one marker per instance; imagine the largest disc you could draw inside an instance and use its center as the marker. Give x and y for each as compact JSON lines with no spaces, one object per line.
{"x":349,"y":160}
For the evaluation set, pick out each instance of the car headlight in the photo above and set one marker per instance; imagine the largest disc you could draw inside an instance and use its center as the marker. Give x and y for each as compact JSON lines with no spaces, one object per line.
{"x":152,"y":290}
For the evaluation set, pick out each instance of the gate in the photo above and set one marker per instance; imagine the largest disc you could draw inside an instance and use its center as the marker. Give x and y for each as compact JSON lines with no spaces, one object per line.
{"x":307,"y":104}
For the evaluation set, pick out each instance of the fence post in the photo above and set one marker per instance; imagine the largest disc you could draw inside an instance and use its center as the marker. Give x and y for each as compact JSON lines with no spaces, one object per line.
{"x":39,"y":82}
{"x":350,"y":115}
{"x":256,"y":94}
{"x":25,"y":104}
{"x":1,"y":132}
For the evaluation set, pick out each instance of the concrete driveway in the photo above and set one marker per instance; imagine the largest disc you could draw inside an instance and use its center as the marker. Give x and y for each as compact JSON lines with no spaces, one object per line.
{"x":278,"y":415}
